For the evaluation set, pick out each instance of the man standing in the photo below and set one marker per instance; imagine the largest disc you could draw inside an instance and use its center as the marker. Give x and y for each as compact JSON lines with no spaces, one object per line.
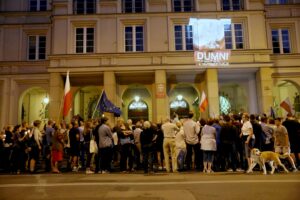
{"x":282,"y":144}
{"x":191,"y":130}
{"x":169,"y":129}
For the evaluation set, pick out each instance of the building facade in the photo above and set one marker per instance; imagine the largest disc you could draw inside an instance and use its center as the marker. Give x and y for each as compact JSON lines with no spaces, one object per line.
{"x":139,"y":53}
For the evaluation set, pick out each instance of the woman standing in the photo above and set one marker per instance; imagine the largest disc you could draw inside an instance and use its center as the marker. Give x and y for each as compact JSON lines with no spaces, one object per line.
{"x":208,"y":145}
{"x":34,"y":145}
{"x":57,"y":148}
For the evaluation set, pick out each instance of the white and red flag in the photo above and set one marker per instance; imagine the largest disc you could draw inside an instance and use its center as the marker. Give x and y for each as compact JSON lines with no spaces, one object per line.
{"x":67,"y":97}
{"x":203,"y":103}
{"x":287,"y":106}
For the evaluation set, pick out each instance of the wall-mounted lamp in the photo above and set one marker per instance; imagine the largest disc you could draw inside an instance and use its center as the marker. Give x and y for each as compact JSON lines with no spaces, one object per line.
{"x":179,"y":97}
{"x":137,"y":98}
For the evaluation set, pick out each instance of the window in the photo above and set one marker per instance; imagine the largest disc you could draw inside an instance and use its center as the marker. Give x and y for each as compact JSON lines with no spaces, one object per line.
{"x":84,"y":6}
{"x":225,"y":106}
{"x":234,"y":38}
{"x":232,"y":4}
{"x":36,"y":47}
{"x":38,"y":5}
{"x":84,"y":40}
{"x":183,"y":5}
{"x":183,"y":37}
{"x":281,"y":41}
{"x":133,"y":6}
{"x":278,"y":1}
{"x":134,"y":38}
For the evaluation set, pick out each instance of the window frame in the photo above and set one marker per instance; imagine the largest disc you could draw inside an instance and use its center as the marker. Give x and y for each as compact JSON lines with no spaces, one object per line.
{"x":231,"y":5}
{"x":182,"y":7}
{"x":37,"y":47}
{"x":183,"y":37}
{"x":85,"y":8}
{"x":38,"y":6}
{"x":133,"y":6}
{"x":277,"y":2}
{"x":84,"y":41}
{"x":134,"y":37}
{"x":233,"y":36}
{"x":280,"y":37}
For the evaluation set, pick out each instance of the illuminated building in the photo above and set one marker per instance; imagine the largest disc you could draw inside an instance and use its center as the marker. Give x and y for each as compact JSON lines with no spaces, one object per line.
{"x":143,"y":48}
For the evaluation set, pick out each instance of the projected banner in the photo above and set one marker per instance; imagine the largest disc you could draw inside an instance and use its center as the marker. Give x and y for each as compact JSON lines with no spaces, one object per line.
{"x":209,"y":41}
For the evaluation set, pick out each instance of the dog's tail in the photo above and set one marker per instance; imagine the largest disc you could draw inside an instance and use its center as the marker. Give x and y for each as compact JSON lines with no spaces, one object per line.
{"x":283,"y":156}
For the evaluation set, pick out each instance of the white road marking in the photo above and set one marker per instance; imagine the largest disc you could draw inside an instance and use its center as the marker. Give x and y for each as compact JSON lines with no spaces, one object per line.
{"x":144,"y":183}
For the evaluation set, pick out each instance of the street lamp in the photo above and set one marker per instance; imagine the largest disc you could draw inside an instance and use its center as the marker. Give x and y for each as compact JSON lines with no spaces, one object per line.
{"x":137,"y":98}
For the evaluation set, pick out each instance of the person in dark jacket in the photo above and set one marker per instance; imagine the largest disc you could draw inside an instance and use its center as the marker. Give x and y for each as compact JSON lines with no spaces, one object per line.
{"x":147,"y":136}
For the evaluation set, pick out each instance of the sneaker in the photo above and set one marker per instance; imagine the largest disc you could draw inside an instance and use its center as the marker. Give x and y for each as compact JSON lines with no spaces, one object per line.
{"x":105,"y":172}
{"x":295,"y":170}
{"x":89,"y":172}
{"x":239,"y":170}
{"x":75,"y":169}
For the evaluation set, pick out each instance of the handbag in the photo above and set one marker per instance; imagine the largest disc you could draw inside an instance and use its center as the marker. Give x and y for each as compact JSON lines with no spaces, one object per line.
{"x":93,"y":145}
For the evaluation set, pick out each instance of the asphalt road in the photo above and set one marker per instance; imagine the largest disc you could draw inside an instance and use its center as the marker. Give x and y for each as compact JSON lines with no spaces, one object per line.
{"x":160,"y":186}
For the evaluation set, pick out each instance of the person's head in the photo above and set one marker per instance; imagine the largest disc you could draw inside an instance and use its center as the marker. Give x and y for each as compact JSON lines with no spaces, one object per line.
{"x":37,"y":123}
{"x":147,"y":124}
{"x":104,"y":120}
{"x":75,"y":124}
{"x":138,"y":124}
{"x":50,"y":122}
{"x":245,"y":117}
{"x":264,"y":119}
{"x":210,"y":121}
{"x":252,"y":117}
{"x":17,"y":128}
{"x":178,"y":124}
{"x":129,"y":121}
{"x":278,"y":121}
{"x":226,"y":118}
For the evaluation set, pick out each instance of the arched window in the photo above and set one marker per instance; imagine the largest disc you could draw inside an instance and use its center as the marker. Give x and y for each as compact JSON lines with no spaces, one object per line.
{"x":138,"y":110}
{"x":180,"y":107}
{"x":225,"y":106}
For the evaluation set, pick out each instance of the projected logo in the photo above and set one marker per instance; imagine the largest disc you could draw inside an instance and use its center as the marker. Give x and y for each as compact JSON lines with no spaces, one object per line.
{"x":209,"y":42}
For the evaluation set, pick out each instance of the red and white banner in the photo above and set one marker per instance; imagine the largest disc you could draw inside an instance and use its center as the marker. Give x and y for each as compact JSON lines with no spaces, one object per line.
{"x":203,"y":103}
{"x":287,"y":106}
{"x":67,"y":97}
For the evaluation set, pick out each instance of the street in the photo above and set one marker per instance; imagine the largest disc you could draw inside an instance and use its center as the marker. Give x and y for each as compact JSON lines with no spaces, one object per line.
{"x":187,"y":186}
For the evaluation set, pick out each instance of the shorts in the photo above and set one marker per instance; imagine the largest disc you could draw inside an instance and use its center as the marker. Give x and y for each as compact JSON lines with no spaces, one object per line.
{"x":282,"y":150}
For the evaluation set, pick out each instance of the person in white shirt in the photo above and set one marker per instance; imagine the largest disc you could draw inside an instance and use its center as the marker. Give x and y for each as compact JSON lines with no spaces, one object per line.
{"x":247,"y":136}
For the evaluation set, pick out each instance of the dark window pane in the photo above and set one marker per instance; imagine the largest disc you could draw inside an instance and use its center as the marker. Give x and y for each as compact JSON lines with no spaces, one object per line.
{"x":139,"y":6}
{"x":90,"y":49}
{"x":226,"y":5}
{"x":79,"y":49}
{"x":43,"y":5}
{"x":177,"y":5}
{"x":90,"y":6}
{"x":33,"y":5}
{"x":236,"y":5}
{"x":128,"y":6}
{"x":276,"y":50}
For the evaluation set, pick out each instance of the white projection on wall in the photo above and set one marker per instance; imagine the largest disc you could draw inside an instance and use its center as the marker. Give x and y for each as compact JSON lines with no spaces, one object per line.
{"x":209,"y":42}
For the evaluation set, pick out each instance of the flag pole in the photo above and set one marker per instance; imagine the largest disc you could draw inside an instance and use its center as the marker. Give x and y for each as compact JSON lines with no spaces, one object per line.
{"x":97,"y":104}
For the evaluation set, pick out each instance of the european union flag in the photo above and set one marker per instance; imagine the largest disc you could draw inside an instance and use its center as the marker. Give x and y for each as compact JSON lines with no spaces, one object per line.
{"x":272,"y":113}
{"x":105,"y":105}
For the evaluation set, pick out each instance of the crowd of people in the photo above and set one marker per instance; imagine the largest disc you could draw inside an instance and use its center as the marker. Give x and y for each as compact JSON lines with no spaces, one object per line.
{"x":176,"y":145}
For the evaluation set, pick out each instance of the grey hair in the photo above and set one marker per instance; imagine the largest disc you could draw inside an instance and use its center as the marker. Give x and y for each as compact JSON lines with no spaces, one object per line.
{"x":147,"y":124}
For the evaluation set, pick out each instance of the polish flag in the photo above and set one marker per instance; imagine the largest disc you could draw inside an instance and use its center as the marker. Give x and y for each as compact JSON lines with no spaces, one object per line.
{"x":203,"y":103}
{"x":287,"y":106}
{"x":68,"y":96}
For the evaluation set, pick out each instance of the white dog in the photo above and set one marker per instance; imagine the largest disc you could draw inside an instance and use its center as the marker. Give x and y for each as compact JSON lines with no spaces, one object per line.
{"x":261,"y":158}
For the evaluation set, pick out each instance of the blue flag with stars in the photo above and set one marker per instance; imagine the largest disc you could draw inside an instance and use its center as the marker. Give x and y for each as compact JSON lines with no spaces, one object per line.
{"x":105,"y":105}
